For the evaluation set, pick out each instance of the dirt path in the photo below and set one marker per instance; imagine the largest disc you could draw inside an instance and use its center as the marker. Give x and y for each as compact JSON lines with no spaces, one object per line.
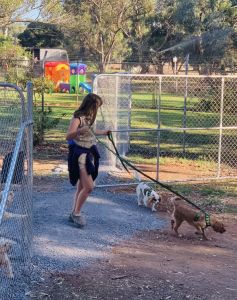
{"x":155,"y":265}
{"x":125,"y":252}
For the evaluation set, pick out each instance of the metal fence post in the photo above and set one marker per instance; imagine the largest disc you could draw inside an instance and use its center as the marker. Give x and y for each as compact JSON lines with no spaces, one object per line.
{"x":29,"y":88}
{"x":130,"y":111}
{"x":221,"y":127}
{"x":116,"y":137}
{"x":158,"y":132}
{"x":185,"y":104}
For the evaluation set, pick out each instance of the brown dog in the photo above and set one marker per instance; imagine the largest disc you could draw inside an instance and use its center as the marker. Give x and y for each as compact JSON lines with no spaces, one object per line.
{"x":165,"y":204}
{"x":9,"y":199}
{"x":183,"y":212}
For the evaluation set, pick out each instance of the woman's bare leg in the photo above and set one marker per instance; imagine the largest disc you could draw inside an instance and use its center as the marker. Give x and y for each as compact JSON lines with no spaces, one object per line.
{"x":87,"y":186}
{"x":79,"y":187}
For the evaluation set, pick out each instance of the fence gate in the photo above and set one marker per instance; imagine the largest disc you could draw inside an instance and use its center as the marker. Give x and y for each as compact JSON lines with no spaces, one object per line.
{"x":176,"y":128}
{"x":16,"y":189}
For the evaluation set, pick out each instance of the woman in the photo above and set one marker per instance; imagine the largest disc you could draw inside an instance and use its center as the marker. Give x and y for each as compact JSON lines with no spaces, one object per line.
{"x":83,"y":154}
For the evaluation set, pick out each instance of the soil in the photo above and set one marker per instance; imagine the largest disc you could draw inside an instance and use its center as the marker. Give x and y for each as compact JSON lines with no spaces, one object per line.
{"x":154,"y":265}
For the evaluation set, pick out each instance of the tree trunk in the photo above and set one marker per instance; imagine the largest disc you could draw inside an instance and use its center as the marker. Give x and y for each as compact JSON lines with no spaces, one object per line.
{"x":102,"y":66}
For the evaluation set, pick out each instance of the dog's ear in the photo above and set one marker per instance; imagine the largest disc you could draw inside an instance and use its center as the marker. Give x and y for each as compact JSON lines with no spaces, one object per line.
{"x":155,"y":195}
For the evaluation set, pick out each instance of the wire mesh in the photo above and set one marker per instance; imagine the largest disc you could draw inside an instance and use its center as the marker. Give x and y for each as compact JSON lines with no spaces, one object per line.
{"x":176,"y":127}
{"x":16,"y":190}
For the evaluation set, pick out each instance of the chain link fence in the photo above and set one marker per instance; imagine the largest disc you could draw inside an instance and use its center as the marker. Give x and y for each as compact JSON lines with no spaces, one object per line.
{"x":16,"y":71}
{"x":176,"y":128}
{"x":16,"y":189}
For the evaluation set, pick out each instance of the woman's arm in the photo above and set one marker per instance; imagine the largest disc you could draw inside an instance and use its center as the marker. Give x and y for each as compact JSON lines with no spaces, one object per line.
{"x":102,"y":132}
{"x":72,"y":131}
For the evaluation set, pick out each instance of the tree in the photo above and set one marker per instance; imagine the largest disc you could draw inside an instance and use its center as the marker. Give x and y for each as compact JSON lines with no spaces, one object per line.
{"x":20,"y":11}
{"x":14,"y":62}
{"x":103,"y":27}
{"x":39,"y":34}
{"x":9,"y":51}
{"x":159,"y":32}
{"x":206,"y":29}
{"x":211,"y":23}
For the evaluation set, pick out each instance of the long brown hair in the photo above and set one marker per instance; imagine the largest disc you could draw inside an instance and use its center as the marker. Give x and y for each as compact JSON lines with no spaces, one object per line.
{"x":89,"y":107}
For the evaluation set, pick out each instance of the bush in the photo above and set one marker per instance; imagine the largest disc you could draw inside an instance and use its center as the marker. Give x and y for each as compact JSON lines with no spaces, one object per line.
{"x":42,"y":121}
{"x":42,"y":85}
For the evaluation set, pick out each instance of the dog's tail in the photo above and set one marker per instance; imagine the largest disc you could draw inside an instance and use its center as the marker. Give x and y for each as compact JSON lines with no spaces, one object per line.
{"x":137,"y":175}
{"x":174,"y":199}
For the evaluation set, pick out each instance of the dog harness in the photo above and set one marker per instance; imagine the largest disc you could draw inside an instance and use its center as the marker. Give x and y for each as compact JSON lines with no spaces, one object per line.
{"x":147,"y":191}
{"x":207,"y":218}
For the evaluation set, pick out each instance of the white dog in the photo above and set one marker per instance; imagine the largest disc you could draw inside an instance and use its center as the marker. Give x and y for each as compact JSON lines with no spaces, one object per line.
{"x":147,"y":196}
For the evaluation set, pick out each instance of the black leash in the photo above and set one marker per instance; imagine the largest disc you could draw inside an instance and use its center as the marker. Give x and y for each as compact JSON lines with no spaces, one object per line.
{"x":124,"y":161}
{"x":110,"y":136}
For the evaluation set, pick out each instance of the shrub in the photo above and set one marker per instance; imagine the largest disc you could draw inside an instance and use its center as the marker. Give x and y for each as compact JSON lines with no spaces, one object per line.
{"x":43,"y":121}
{"x":42,"y":85}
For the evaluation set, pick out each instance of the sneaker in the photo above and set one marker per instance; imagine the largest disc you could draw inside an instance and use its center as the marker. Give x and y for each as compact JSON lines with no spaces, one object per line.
{"x":79,"y":221}
{"x":70,"y":218}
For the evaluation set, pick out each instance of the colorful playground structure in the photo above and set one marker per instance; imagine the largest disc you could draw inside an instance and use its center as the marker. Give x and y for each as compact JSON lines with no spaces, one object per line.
{"x":68,"y":78}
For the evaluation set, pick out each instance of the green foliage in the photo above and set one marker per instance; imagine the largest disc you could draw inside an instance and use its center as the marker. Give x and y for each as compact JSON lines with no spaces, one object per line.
{"x":42,"y":85}
{"x":15,"y":62}
{"x":8,"y":9}
{"x":20,"y":11}
{"x":10,"y":51}
{"x":18,"y":74}
{"x":43,"y":116}
{"x":210,"y":103}
{"x":43,"y":121}
{"x":205,"y":29}
{"x":42,"y":35}
{"x":103,"y":28}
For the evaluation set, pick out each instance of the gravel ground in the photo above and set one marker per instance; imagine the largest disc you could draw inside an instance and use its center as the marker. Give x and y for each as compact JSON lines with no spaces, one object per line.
{"x":111,"y":218}
{"x":103,"y":261}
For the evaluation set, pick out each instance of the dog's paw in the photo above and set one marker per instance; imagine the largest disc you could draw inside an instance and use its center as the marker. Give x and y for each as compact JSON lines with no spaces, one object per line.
{"x":198,"y":233}
{"x":204,"y":239}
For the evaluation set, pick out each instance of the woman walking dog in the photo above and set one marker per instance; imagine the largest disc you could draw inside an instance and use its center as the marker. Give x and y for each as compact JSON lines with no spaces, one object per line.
{"x":83,"y":160}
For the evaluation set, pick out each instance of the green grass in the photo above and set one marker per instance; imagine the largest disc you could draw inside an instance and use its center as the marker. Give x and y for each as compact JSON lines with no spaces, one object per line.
{"x":220,"y":196}
{"x":60,"y":99}
{"x":200,"y":146}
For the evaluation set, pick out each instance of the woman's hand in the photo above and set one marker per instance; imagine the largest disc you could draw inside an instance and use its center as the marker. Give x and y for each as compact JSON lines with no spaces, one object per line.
{"x":107,"y":131}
